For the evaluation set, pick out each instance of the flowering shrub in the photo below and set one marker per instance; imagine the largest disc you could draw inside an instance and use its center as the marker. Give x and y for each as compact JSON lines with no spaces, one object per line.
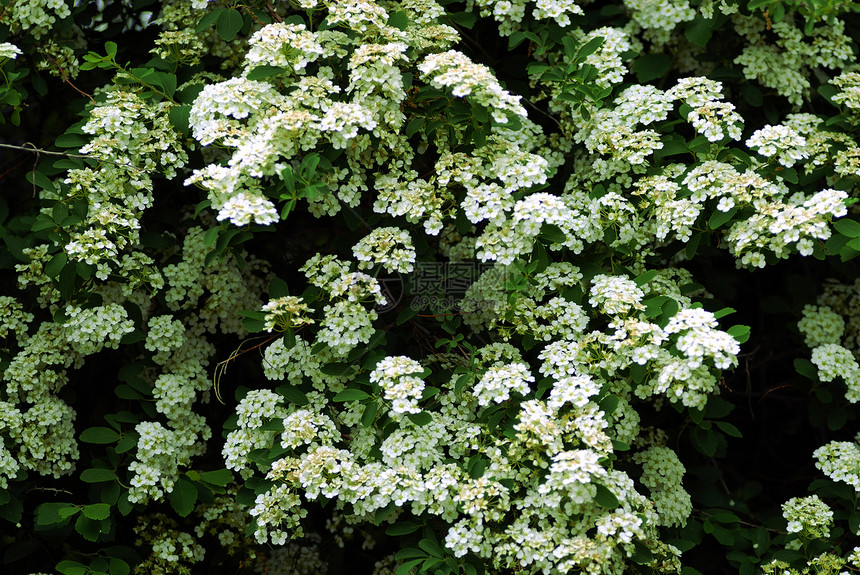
{"x":411,"y":287}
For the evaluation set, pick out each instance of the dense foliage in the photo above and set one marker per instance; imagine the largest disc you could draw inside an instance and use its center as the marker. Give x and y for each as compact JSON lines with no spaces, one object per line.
{"x":401,"y":287}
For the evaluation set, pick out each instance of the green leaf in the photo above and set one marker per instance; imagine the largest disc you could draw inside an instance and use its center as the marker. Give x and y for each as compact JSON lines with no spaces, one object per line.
{"x":605,"y":498}
{"x":178,"y":116}
{"x":97,"y":475}
{"x":220,"y":477}
{"x":719,"y":218}
{"x":718,"y":407}
{"x":293,"y":394}
{"x":407,"y":567}
{"x":71,"y":568}
{"x":729,"y":429}
{"x":431,"y":547}
{"x":229,"y":23}
{"x":127,"y":442}
{"x":119,"y":567}
{"x":369,"y":414}
{"x":97,"y":511}
{"x":847,"y":227}
{"x":806,"y":368}
{"x":724,"y":312}
{"x":699,"y":31}
{"x":422,"y":418}
{"x":56,"y":264}
{"x":99,"y":435}
{"x":351,"y":394}
{"x":209,"y":19}
{"x":410,"y":553}
{"x":399,"y":20}
{"x":589,"y":48}
{"x":337,"y":368}
{"x":403,"y":528}
{"x":88,"y":528}
{"x":464,"y":19}
{"x":739,"y":332}
{"x":651,"y":66}
{"x":49,"y":514}
{"x":39,"y":179}
{"x":183,"y":497}
{"x":71,"y":141}
{"x":264,"y":71}
{"x":645,"y":277}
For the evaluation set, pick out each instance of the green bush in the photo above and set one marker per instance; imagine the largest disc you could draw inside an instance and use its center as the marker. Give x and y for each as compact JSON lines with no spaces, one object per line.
{"x":429,"y":287}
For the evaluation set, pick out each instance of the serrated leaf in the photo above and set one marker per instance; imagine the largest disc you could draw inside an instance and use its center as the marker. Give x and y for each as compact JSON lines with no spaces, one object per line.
{"x":97,"y":511}
{"x":99,"y":435}
{"x":88,"y":528}
{"x":183,"y":497}
{"x":179,"y":117}
{"x":464,"y":19}
{"x":48,"y":514}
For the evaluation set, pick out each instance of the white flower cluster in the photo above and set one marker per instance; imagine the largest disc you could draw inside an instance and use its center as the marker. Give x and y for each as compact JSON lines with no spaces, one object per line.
{"x":386,"y":246}
{"x":498,"y":382}
{"x":662,"y":473}
{"x":784,"y":64}
{"x":840,"y":461}
{"x":849,"y":90}
{"x":400,"y":385}
{"x":660,"y":14}
{"x":13,"y":319}
{"x":91,"y":330}
{"x":171,"y":550}
{"x":282,"y":45}
{"x":700,"y":340}
{"x":160,"y":451}
{"x":287,"y":312}
{"x":164,"y":335}
{"x":256,"y":407}
{"x":809,"y":516}
{"x":832,"y":361}
{"x":8,"y":50}
{"x":780,"y":141}
{"x":34,"y":16}
{"x":453,"y":69}
{"x":820,"y":325}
